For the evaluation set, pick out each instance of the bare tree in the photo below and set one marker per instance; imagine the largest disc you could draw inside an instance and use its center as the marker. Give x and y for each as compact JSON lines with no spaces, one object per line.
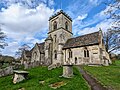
{"x":114,"y":13}
{"x":112,"y":40}
{"x":112,"y":36}
{"x":2,"y":40}
{"x":21,"y":49}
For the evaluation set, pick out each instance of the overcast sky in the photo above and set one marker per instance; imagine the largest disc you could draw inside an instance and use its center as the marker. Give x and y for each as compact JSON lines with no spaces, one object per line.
{"x":26,"y":21}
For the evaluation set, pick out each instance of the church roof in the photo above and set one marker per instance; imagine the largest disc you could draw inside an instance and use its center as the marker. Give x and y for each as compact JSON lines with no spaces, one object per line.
{"x":84,"y":40}
{"x":41,"y":47}
{"x":60,"y":12}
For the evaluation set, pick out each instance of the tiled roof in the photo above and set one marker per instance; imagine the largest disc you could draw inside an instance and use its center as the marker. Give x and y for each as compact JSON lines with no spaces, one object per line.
{"x":84,"y":40}
{"x":41,"y":47}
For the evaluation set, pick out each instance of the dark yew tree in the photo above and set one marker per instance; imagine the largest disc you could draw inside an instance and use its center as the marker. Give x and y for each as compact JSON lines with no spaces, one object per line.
{"x":112,"y":36}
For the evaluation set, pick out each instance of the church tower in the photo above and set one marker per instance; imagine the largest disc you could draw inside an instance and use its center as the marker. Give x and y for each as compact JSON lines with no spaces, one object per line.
{"x":60,"y":30}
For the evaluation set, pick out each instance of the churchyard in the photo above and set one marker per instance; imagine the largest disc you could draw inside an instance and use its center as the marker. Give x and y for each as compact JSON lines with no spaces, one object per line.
{"x":40,"y":78}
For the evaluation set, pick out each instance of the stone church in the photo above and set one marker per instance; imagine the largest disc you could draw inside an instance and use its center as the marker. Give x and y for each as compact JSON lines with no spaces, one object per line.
{"x":60,"y":47}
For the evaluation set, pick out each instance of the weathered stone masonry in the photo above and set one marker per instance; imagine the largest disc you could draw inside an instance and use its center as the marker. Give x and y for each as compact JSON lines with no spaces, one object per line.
{"x":60,"y":47}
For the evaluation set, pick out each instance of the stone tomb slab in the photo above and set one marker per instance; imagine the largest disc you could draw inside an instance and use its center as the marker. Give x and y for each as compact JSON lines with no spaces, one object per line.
{"x":20,"y":76}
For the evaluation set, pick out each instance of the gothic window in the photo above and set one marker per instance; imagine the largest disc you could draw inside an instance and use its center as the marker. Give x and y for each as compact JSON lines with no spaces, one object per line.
{"x":75,"y":60}
{"x":55,"y":25}
{"x":86,"y":53}
{"x":35,"y":55}
{"x":66,"y":25}
{"x":70,"y":54}
{"x":55,"y":54}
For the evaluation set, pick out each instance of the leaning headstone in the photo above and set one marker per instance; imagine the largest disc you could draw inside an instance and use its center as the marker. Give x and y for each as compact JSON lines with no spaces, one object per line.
{"x":20,"y":76}
{"x":67,"y":71}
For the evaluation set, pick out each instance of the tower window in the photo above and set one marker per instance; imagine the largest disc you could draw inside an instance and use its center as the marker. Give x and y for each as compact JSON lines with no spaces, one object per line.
{"x":66,"y":25}
{"x":55,"y":54}
{"x":55,"y":25}
{"x":86,"y":53}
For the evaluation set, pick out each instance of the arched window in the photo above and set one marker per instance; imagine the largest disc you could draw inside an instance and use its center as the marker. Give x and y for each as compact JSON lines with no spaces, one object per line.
{"x":75,"y":60}
{"x":35,"y":55}
{"x":55,"y":54}
{"x":55,"y":25}
{"x":66,"y":25}
{"x":70,"y":54}
{"x":86,"y":53}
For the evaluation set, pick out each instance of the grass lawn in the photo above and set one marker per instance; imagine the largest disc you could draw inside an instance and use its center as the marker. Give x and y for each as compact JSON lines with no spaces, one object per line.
{"x":107,"y":75}
{"x":49,"y":77}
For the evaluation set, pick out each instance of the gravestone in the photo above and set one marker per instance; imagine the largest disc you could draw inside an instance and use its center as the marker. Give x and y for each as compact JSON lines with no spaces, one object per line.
{"x":67,"y":71}
{"x":20,"y":76}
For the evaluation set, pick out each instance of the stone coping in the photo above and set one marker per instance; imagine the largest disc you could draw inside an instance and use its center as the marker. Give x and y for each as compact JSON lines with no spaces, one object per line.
{"x":20,"y":72}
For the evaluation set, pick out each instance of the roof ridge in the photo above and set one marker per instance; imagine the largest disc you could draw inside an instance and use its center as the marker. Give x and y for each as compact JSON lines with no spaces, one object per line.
{"x":83,"y":35}
{"x":41,"y":43}
{"x":86,"y":34}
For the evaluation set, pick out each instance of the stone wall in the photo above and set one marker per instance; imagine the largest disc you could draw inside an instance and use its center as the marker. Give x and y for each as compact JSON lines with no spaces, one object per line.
{"x":33,"y":64}
{"x":9,"y":70}
{"x":6,"y":71}
{"x":94,"y":56}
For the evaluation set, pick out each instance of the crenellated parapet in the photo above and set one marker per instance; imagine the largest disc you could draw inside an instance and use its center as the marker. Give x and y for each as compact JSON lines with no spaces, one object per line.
{"x":60,"y":12}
